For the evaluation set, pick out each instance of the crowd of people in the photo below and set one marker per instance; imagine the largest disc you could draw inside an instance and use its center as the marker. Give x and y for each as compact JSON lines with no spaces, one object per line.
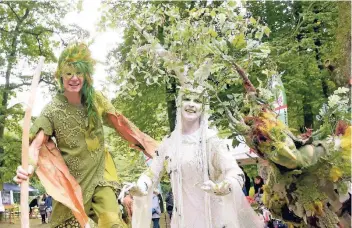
{"x":258,"y":183}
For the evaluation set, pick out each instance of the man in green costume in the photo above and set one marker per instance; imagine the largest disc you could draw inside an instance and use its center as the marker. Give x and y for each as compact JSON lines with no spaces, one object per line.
{"x":75,"y":118}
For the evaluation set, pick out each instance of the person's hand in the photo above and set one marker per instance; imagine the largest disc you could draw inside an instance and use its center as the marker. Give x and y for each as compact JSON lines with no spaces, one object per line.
{"x":219,"y":189}
{"x":137,"y":147}
{"x":23,"y":175}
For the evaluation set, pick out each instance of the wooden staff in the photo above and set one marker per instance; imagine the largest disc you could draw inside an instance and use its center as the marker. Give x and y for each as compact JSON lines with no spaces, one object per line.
{"x":25,"y":144}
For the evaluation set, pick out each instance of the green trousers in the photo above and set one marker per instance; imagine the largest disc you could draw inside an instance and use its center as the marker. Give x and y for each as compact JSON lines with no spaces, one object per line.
{"x":103,"y":210}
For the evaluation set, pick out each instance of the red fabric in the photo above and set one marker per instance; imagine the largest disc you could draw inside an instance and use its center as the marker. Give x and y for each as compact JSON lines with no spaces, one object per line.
{"x":58,"y":182}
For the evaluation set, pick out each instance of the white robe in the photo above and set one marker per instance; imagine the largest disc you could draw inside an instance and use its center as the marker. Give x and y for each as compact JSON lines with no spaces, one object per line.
{"x":230,"y":211}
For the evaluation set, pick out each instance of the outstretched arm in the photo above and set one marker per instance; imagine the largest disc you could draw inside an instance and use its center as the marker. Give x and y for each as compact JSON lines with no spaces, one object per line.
{"x":151,"y":176}
{"x":125,"y":128}
{"x":132,"y":134}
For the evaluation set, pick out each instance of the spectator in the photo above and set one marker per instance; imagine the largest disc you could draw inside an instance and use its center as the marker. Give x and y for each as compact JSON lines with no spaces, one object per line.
{"x":33,"y":203}
{"x":128,"y":205}
{"x":156,"y":212}
{"x":258,"y":185}
{"x":247,"y":183}
{"x":161,"y":203}
{"x":169,"y":203}
{"x":49,"y":206}
{"x":42,"y":210}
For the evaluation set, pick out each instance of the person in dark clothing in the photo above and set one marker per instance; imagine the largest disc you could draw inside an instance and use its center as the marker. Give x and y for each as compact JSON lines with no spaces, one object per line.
{"x":169,"y":203}
{"x":49,"y":206}
{"x":42,"y":210}
{"x":33,"y":203}
{"x":247,"y":183}
{"x":161,"y":203}
{"x":258,"y":185}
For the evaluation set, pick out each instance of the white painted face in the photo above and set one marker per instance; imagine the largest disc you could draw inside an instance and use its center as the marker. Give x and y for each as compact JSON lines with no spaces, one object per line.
{"x":192,"y":107}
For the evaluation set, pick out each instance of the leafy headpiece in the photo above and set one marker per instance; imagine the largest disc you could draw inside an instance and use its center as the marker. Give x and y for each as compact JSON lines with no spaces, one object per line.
{"x":78,"y":55}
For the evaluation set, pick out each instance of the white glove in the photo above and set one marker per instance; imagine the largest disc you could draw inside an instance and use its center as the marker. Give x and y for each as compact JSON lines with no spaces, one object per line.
{"x":219,"y":189}
{"x":141,"y":187}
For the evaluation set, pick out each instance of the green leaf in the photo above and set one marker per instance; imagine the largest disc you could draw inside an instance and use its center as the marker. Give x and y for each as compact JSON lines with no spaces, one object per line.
{"x":239,"y":41}
{"x":252,"y":20}
{"x":225,"y":133}
{"x":222,"y":18}
{"x":213,"y":33}
{"x":213,"y":13}
{"x":267,"y":31}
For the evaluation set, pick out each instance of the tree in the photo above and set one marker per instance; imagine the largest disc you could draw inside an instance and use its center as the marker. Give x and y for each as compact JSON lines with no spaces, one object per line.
{"x":193,"y":32}
{"x":233,"y":41}
{"x":27,"y":31}
{"x":306,"y":44}
{"x":138,"y":64}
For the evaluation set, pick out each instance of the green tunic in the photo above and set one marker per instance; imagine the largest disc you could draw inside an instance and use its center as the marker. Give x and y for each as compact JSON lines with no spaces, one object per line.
{"x":68,"y":124}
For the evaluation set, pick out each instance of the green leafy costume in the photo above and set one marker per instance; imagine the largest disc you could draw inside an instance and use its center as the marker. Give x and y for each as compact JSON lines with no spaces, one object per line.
{"x":69,"y":125}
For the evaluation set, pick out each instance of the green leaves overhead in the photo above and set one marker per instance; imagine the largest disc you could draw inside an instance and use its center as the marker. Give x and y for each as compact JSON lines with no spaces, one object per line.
{"x":28,"y":29}
{"x":190,"y":30}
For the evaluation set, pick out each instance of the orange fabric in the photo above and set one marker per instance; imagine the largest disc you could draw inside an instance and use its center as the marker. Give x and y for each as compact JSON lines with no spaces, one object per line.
{"x":62,"y":186}
{"x":128,"y":131}
{"x":58,"y":182}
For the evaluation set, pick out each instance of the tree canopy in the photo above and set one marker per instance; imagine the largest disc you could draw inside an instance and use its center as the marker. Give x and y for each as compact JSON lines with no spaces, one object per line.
{"x":28,"y":30}
{"x":307,"y":42}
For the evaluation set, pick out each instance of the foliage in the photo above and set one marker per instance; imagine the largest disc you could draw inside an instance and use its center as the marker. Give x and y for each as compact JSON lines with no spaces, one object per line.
{"x":205,"y":32}
{"x":11,"y":158}
{"x":251,"y":170}
{"x":335,"y":110}
{"x":28,"y":29}
{"x":305,"y":44}
{"x":234,"y":43}
{"x":148,"y":113}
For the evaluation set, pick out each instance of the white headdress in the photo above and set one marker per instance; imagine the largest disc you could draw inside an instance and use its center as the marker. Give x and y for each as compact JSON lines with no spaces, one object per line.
{"x":195,"y":83}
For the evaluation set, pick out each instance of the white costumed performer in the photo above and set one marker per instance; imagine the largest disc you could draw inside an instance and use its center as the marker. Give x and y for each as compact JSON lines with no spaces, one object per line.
{"x":205,"y":178}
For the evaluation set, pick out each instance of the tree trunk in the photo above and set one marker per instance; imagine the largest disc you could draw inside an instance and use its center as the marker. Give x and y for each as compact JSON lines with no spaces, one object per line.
{"x":344,"y":40}
{"x":325,"y":88}
{"x":171,"y":104}
{"x":308,"y":114}
{"x":11,"y":59}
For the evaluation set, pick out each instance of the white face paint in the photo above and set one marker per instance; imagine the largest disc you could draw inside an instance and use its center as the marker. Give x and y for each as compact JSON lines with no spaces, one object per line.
{"x":191,"y":107}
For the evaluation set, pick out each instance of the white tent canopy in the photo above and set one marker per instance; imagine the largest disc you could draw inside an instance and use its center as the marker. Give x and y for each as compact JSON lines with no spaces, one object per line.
{"x":242,"y":153}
